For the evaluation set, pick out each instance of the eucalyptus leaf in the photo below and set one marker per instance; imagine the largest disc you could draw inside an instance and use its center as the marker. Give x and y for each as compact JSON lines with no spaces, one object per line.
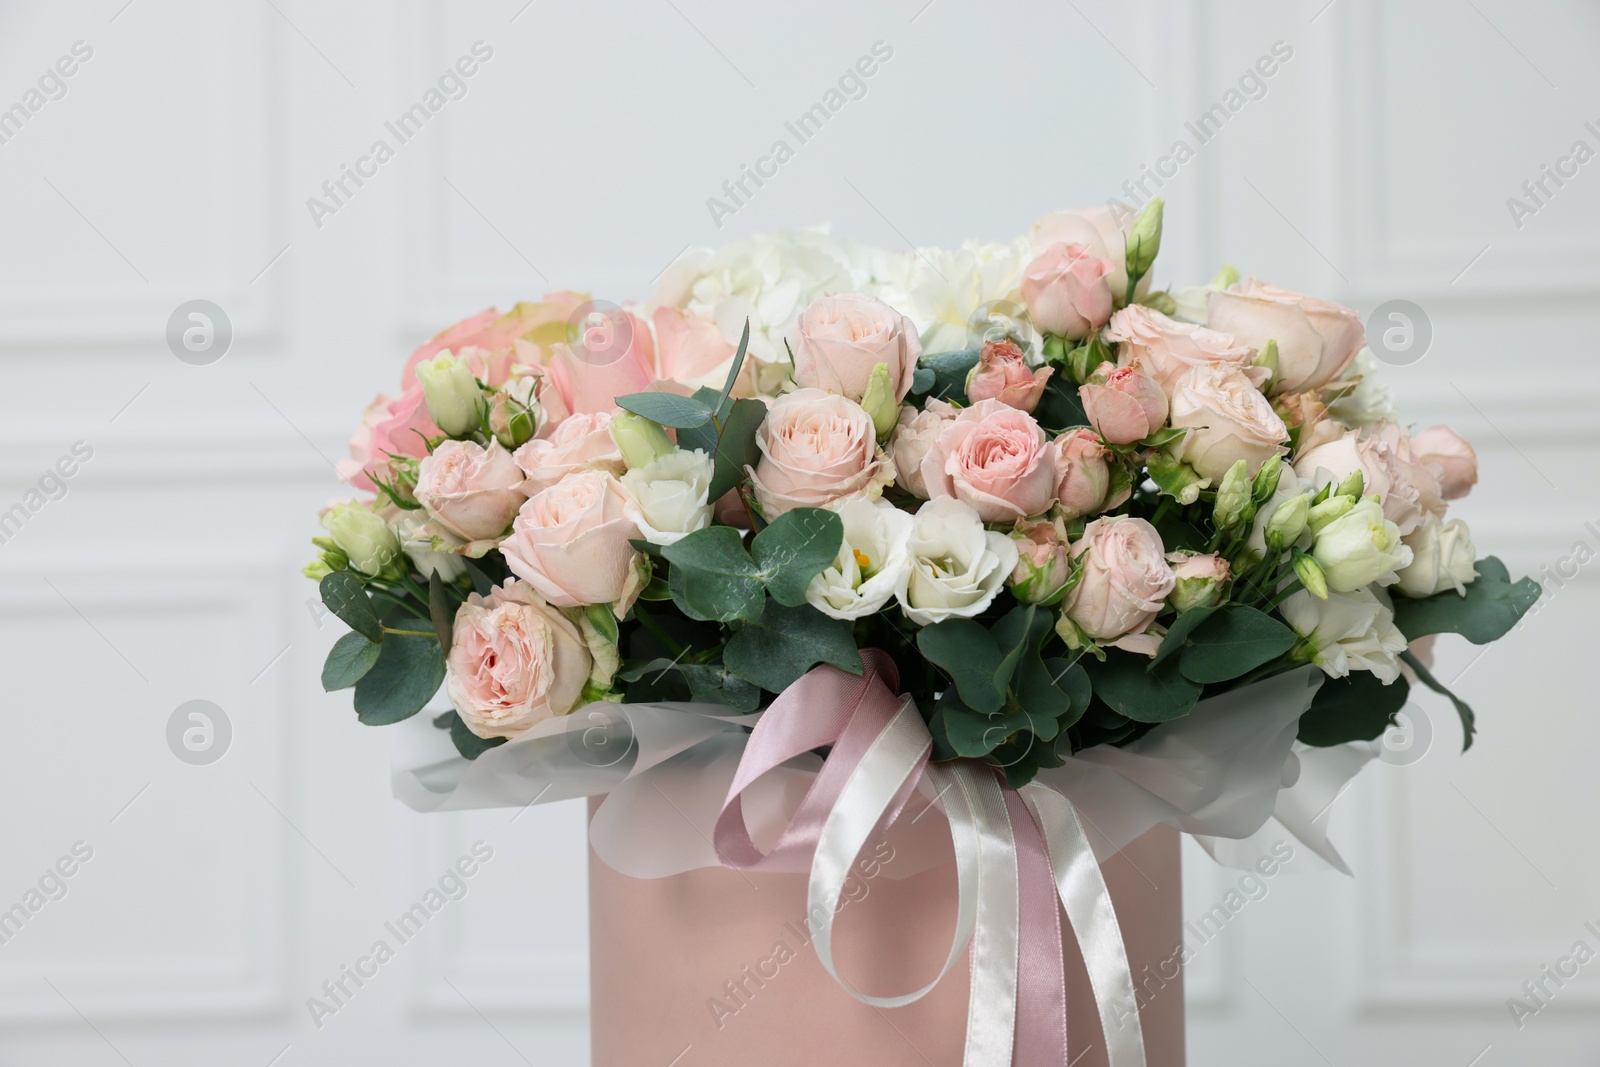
{"x":716,"y":576}
{"x":1143,"y":696}
{"x":1469,"y":721}
{"x":1233,"y":642}
{"x":469,"y":744}
{"x":774,"y":650}
{"x":407,"y":674}
{"x":1357,"y":707}
{"x":347,"y":598}
{"x":793,"y":549}
{"x":736,"y":446}
{"x":442,"y":610}
{"x":669,"y":409}
{"x":348,"y":660}
{"x":974,"y":733}
{"x":1492,"y":605}
{"x":970,"y":656}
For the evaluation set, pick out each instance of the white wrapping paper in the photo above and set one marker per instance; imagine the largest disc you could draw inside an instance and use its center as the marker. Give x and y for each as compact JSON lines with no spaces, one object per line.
{"x":1227,"y":773}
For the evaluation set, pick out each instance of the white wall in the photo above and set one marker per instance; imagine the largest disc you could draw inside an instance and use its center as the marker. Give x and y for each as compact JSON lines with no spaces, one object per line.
{"x":177,"y":167}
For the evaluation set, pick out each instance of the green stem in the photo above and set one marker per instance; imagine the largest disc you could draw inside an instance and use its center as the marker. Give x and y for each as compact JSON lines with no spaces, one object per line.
{"x":400,"y":602}
{"x":655,"y":628}
{"x":409,"y":633}
{"x":1287,"y":591}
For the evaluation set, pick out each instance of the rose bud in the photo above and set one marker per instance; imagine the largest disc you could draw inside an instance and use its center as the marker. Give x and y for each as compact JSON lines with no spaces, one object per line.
{"x":1066,"y":291}
{"x":1202,"y":580}
{"x":452,"y":393}
{"x":1452,"y":458}
{"x":512,"y":412}
{"x":1002,"y":374}
{"x":1124,"y":404}
{"x":1044,"y":562}
{"x":1084,"y":474}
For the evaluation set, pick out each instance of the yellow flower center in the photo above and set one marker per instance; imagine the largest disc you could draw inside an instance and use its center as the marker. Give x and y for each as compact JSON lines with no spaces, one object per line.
{"x":862,"y":559}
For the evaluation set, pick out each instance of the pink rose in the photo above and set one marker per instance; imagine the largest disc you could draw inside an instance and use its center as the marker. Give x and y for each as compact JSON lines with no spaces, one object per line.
{"x":1002,"y":374}
{"x":1448,"y":453}
{"x":1201,"y":579}
{"x":514,"y":661}
{"x":1307,"y":418}
{"x":570,"y":542}
{"x":1083,"y":464}
{"x":1066,"y":290}
{"x":818,"y":449}
{"x":1044,"y":561}
{"x":492,"y":337}
{"x":388,"y":427}
{"x":1316,"y":338}
{"x":914,"y":435}
{"x":691,"y":351}
{"x":995,"y":459}
{"x":1124,"y":405}
{"x":1407,"y":488}
{"x":839,"y":339}
{"x":1102,"y":231}
{"x":1227,"y":418}
{"x":473,"y":492}
{"x":578,"y":443}
{"x":613,"y":356}
{"x":1166,"y":348}
{"x":1125,"y":580}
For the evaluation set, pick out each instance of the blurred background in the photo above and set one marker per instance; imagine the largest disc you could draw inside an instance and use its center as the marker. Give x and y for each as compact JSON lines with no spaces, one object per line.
{"x":159,"y":152}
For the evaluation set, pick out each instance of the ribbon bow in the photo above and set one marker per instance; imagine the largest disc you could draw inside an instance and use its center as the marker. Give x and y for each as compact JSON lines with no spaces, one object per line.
{"x":1016,"y":852}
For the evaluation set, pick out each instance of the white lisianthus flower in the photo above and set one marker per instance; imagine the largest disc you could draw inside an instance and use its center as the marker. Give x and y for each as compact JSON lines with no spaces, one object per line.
{"x":1360,"y":547}
{"x":451,"y":393}
{"x":369,"y":542}
{"x":1442,"y":557}
{"x":873,"y":561}
{"x":956,"y":566}
{"x":1347,"y":632}
{"x":668,"y":498}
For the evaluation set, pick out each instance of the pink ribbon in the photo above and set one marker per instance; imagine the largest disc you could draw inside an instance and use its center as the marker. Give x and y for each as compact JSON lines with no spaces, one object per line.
{"x":828,"y":706}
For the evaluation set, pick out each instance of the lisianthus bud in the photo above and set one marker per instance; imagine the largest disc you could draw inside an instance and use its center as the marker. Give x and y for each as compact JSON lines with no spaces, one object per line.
{"x":1310,"y":575}
{"x":1288,"y":522}
{"x":1266,"y":480}
{"x":1145,"y":240}
{"x":366,"y":540}
{"x":640,"y":440}
{"x":451,"y":392}
{"x":1332,"y":508}
{"x":1268,"y":358}
{"x":1044,"y":562}
{"x":1233,"y":497}
{"x":511,"y":413}
{"x":1224,"y":277}
{"x":879,"y":401}
{"x":1352,"y":485}
{"x":1202,"y":580}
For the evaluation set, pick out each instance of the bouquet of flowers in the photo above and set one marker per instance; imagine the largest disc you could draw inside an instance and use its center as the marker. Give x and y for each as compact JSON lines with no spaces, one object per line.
{"x":1066,"y":505}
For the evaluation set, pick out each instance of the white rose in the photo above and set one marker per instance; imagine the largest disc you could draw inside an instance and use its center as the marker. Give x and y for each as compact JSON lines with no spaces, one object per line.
{"x":1360,"y":547}
{"x":668,"y":497}
{"x":1227,"y":418}
{"x":956,"y":566}
{"x":873,"y":561}
{"x":1442,"y":557}
{"x":1348,"y":632}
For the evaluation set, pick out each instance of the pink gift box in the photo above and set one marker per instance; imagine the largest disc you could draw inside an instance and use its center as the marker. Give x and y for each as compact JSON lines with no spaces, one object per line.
{"x":713,"y":968}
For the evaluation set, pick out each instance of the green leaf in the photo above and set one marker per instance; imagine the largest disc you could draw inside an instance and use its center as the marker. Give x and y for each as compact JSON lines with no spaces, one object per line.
{"x":1143,"y":696}
{"x":482,"y":584}
{"x":783,"y":643}
{"x":347,"y":599}
{"x":408,"y":672}
{"x":922,"y":380}
{"x":669,"y":409}
{"x":1493,"y":604}
{"x":736,"y":447}
{"x":950,"y":373}
{"x":971,"y":657}
{"x":974,"y":733}
{"x":469,"y":744}
{"x":1357,"y":707}
{"x":351,"y":657}
{"x":442,"y":610}
{"x":717,"y":577}
{"x":794,"y":549}
{"x":1177,"y":638}
{"x":1059,"y":406}
{"x":1233,"y":642}
{"x":733,"y":369}
{"x":1469,"y":721}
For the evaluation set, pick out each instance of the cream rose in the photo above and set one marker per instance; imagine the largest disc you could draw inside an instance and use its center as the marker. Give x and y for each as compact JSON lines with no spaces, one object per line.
{"x":995,"y":459}
{"x":1066,"y":290}
{"x":872,"y":562}
{"x":668,"y":497}
{"x":1167,"y":349}
{"x":1316,"y":338}
{"x":1227,"y":418}
{"x":1125,"y":580}
{"x":1442,"y":557}
{"x":1450,"y":457}
{"x":514,"y":661}
{"x":839,"y":339}
{"x":913,"y":437}
{"x":570,"y":542}
{"x":818,"y":449}
{"x":957,"y":567}
{"x":471,"y":491}
{"x":1408,"y":489}
{"x":577,"y":443}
